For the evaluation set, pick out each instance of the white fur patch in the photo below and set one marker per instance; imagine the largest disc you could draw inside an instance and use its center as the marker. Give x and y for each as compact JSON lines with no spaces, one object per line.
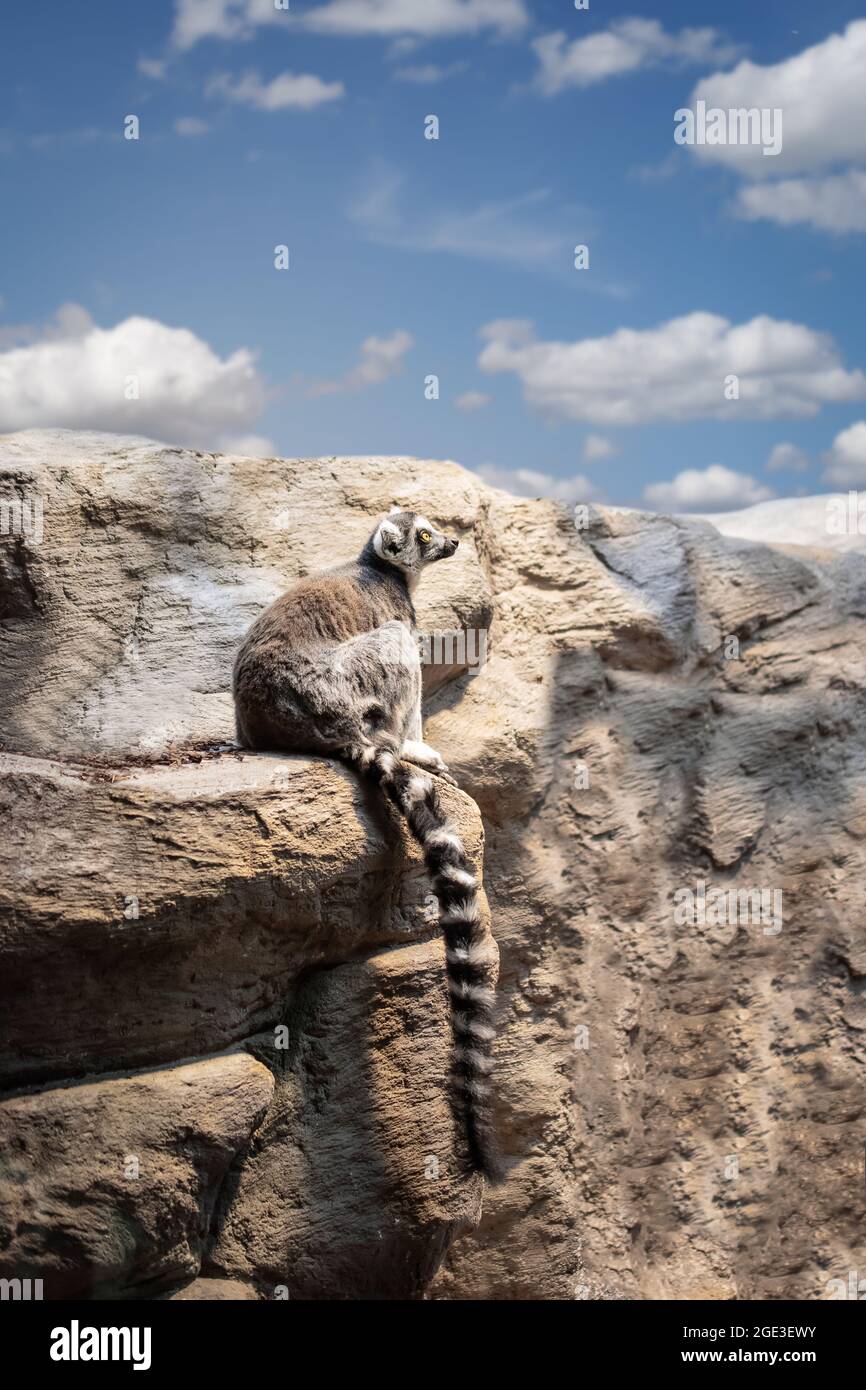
{"x":474,"y":1058}
{"x":479,"y":995}
{"x":459,"y":876}
{"x":445,"y":835}
{"x":418,"y":788}
{"x":465,"y":912}
{"x":385,"y":529}
{"x":482,"y":1031}
{"x":476,"y":953}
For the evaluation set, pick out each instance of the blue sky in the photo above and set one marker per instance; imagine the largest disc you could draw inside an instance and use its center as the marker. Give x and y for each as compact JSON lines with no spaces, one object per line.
{"x":305,"y":128}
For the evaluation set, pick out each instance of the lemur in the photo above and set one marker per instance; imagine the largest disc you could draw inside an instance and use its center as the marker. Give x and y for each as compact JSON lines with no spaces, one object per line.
{"x":333,"y":667}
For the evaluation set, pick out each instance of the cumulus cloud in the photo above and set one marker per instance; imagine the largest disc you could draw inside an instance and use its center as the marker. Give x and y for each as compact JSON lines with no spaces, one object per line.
{"x":301,"y":91}
{"x":629,"y":44}
{"x":836,"y":203}
{"x":380,"y":359}
{"x":140,"y":377}
{"x":472,"y":400}
{"x":846,"y":459}
{"x":676,"y":371}
{"x":709,"y":489}
{"x":787,"y":458}
{"x":822,"y":95}
{"x":526,"y":482}
{"x":195,"y":20}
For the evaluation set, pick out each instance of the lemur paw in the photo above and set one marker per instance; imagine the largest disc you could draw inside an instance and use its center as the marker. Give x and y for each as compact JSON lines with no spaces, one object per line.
{"x":422,"y":755}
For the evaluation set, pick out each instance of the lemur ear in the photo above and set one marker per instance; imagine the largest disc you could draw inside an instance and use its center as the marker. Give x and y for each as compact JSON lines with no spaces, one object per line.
{"x":394,"y":510}
{"x":387,"y":538}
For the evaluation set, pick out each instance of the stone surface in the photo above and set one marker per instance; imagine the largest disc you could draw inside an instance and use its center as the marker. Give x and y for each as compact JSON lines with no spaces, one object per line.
{"x":108,"y":1188}
{"x":681,"y":1102}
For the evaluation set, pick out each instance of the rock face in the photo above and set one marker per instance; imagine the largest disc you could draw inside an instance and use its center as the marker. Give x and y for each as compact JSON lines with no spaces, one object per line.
{"x":227,"y":966}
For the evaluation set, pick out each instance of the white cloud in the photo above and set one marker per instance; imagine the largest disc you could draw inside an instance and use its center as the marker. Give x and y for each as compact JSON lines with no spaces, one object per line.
{"x":380,"y":359}
{"x":78,"y":375}
{"x":846,"y":459}
{"x":710,"y":489}
{"x":237,"y":19}
{"x":526,"y":482}
{"x":423,"y":18}
{"x":627,"y":45}
{"x":472,"y":400}
{"x":676,"y":371}
{"x":595,"y":447}
{"x":301,"y":91}
{"x":429,"y":72}
{"x":822,"y":95}
{"x":191,"y":126}
{"x":195,"y":20}
{"x":836,"y":203}
{"x":787,"y":458}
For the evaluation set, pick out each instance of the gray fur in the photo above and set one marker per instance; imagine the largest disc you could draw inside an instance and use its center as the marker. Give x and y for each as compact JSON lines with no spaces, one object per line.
{"x":334,"y":662}
{"x":333,"y":667}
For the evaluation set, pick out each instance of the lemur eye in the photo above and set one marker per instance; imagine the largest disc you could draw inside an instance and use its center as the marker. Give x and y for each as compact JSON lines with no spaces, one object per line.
{"x":424,"y":536}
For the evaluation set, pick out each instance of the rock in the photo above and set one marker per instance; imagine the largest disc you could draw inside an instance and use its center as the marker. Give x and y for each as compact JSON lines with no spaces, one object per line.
{"x":108,"y":1187}
{"x":214,"y":1290}
{"x":663,"y":711}
{"x":168,"y":912}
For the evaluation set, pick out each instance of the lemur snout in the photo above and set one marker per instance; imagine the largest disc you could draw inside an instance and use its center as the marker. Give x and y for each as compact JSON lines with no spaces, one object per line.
{"x":450,"y":546}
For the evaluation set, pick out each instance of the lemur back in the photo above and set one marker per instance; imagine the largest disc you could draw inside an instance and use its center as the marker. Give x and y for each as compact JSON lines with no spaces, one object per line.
{"x":333,"y":667}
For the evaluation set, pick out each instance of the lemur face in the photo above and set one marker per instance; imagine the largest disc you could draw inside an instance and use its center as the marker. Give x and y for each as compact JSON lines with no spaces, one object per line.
{"x":408,"y":541}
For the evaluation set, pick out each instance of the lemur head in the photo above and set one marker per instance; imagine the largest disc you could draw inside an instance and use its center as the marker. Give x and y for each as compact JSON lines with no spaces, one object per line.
{"x":408,"y":541}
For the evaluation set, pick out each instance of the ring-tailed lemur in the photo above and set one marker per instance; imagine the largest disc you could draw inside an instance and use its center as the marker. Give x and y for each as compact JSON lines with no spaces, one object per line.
{"x":333,"y":667}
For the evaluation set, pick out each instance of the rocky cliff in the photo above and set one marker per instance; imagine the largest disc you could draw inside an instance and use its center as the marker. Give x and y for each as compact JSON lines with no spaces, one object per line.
{"x":225,"y":1043}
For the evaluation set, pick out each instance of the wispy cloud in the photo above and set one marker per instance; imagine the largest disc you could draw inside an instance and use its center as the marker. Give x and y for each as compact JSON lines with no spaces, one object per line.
{"x":191,"y":126}
{"x":428,"y":73}
{"x":527,"y":230}
{"x":628,"y":45}
{"x":472,"y":400}
{"x":300,"y":91}
{"x":380,"y":359}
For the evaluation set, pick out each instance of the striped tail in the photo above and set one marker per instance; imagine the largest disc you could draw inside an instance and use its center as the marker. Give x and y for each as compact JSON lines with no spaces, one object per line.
{"x":467,"y":951}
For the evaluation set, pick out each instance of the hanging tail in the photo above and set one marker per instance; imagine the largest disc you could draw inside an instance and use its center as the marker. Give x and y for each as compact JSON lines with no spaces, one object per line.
{"x":467,"y":950}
